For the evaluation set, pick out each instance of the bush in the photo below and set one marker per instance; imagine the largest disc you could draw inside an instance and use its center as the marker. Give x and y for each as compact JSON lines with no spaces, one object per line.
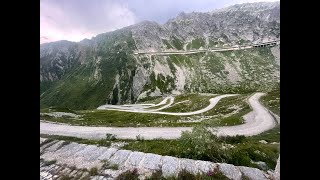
{"x":185,"y":175}
{"x":132,"y":175}
{"x":93,"y":171}
{"x":202,"y":144}
{"x":234,"y":139}
{"x":110,"y":137}
{"x":104,"y":142}
{"x":157,"y":175}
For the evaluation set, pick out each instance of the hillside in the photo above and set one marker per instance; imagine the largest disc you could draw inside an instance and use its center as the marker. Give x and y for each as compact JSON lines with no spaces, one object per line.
{"x":104,"y":69}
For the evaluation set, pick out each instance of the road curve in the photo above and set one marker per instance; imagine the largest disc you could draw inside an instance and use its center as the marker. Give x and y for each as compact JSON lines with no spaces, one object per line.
{"x":133,"y":106}
{"x":257,"y":121}
{"x":213,"y":102}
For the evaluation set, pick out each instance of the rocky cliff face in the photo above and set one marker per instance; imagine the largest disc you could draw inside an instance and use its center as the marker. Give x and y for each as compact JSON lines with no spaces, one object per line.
{"x":105,"y":70}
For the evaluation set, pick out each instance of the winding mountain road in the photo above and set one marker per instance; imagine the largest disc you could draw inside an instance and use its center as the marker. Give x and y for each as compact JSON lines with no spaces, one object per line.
{"x":213,"y":102}
{"x":256,"y":122}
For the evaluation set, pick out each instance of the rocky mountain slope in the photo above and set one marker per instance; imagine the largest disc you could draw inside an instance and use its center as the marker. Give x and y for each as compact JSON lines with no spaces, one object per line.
{"x":105,"y":70}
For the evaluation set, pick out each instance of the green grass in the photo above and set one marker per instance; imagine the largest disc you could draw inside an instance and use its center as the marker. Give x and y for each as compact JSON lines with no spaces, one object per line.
{"x":176,"y":43}
{"x":168,"y":45}
{"x":130,"y":174}
{"x":195,"y":102}
{"x":203,"y":146}
{"x":196,"y":44}
{"x":102,"y":142}
{"x":272,"y":101}
{"x":272,"y":135}
{"x":224,"y":107}
{"x":150,"y":99}
{"x":93,"y":171}
{"x":48,"y":163}
{"x":185,"y":175}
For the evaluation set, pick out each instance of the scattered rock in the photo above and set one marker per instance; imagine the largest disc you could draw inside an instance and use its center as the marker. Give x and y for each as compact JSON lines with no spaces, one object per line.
{"x":230,"y":171}
{"x":263,"y":142}
{"x":261,"y":165}
{"x":252,"y":173}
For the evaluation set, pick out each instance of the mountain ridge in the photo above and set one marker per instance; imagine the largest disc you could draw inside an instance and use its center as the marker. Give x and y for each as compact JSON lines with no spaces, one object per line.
{"x":104,"y":69}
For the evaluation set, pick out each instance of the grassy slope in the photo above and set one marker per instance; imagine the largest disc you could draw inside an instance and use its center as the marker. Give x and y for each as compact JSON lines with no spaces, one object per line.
{"x":272,"y":101}
{"x":78,"y":90}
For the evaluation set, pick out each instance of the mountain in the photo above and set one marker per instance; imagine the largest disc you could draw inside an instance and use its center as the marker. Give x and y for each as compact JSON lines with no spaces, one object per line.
{"x":105,"y":69}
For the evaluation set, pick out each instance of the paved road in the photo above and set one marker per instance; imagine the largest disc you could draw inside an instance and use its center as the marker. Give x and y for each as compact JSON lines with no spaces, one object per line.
{"x":213,"y":102}
{"x":257,"y":121}
{"x":133,"y":106}
{"x":210,"y":50}
{"x":164,"y":53}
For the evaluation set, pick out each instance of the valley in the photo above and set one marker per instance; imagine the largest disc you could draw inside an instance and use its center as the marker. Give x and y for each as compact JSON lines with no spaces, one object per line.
{"x":196,"y":96}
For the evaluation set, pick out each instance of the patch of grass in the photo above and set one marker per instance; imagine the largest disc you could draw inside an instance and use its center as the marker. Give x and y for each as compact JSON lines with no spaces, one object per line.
{"x":122,"y":119}
{"x":68,"y":139}
{"x":228,"y":111}
{"x":185,"y":175}
{"x":272,"y":101}
{"x":46,"y":142}
{"x":132,"y":175}
{"x":234,"y":139}
{"x":157,"y":175}
{"x":93,"y":171}
{"x":200,"y":144}
{"x":176,"y":43}
{"x":197,"y":43}
{"x":168,"y":45}
{"x":245,"y":177}
{"x":65,"y":177}
{"x":107,"y":165}
{"x":151,"y":99}
{"x":272,"y":135}
{"x":163,"y":147}
{"x":194,"y":102}
{"x":48,"y":163}
{"x":114,"y":167}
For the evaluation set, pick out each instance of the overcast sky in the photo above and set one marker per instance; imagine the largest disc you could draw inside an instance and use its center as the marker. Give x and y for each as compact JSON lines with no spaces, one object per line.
{"x":75,"y":20}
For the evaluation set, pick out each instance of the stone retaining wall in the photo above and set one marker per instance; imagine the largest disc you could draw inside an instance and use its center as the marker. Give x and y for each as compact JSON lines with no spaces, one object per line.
{"x":71,"y":159}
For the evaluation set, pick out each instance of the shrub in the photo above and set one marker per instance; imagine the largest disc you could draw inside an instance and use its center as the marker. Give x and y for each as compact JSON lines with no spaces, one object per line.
{"x":110,"y":137}
{"x":132,"y":175}
{"x":139,"y":138}
{"x":202,"y":144}
{"x":157,"y":175}
{"x":234,"y":139}
{"x":93,"y":171}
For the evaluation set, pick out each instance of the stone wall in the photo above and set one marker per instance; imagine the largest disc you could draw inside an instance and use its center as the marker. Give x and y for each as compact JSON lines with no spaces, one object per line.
{"x":59,"y":159}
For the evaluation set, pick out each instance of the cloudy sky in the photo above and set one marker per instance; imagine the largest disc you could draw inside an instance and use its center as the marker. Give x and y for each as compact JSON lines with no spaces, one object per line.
{"x":75,"y":20}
